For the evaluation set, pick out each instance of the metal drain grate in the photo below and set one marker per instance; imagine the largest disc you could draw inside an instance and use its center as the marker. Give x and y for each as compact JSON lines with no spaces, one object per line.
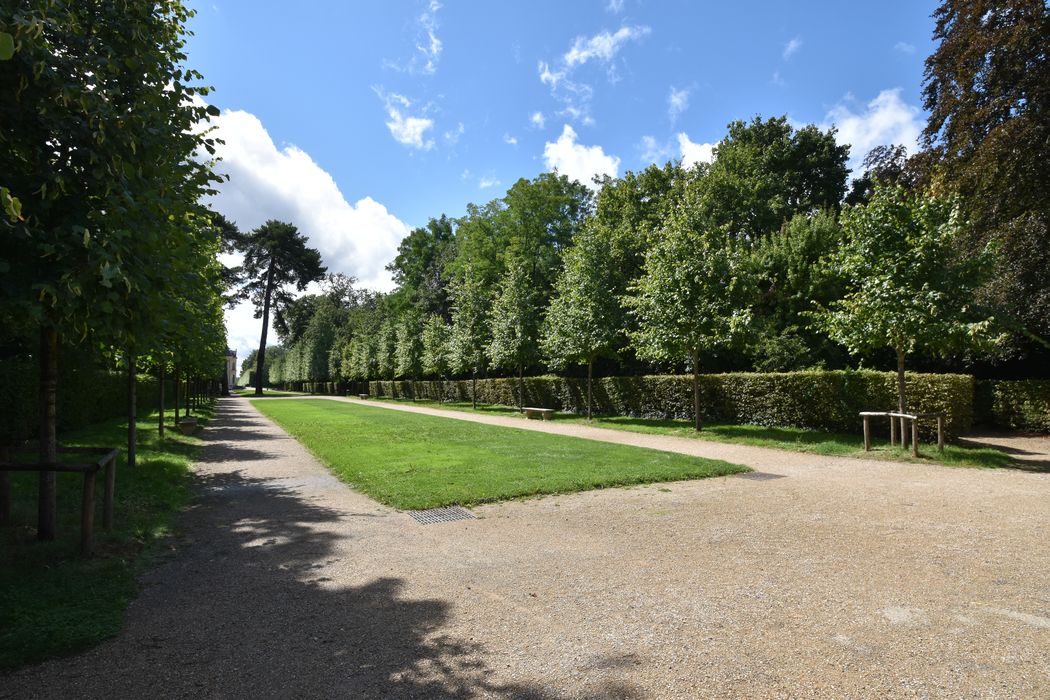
{"x":441,"y":515}
{"x":761,"y":476}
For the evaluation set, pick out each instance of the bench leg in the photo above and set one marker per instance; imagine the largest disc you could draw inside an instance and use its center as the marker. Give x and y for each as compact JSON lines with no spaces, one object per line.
{"x":915,"y":437}
{"x":87,"y":514}
{"x":867,"y":434}
{"x":893,"y":431}
{"x":107,"y":499}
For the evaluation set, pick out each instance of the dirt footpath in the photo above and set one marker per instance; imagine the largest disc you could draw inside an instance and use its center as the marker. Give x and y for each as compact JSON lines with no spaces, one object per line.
{"x":830,"y":578}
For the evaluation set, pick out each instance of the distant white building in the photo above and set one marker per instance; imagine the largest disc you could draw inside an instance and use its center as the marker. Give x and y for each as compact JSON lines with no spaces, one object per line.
{"x":231,"y":369}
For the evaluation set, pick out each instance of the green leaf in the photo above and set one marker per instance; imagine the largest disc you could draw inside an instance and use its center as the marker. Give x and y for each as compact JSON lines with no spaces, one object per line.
{"x":7,"y":46}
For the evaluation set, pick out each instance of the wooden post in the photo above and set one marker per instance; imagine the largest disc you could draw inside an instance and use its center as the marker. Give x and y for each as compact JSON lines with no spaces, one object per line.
{"x":160,"y":399}
{"x":915,"y":436}
{"x":940,"y":433}
{"x":867,"y":433}
{"x":5,"y":491}
{"x":107,"y":501}
{"x":87,"y":513}
{"x":893,"y":431}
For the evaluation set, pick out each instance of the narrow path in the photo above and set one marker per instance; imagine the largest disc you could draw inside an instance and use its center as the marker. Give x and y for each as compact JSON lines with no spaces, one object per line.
{"x":846,"y":578}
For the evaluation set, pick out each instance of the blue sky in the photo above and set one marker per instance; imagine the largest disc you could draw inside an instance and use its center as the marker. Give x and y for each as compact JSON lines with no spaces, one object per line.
{"x":359,"y":120}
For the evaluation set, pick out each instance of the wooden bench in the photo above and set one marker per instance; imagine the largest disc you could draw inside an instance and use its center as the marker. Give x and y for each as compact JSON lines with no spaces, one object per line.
{"x":362,"y":396}
{"x":903,"y":417}
{"x":544,"y":413}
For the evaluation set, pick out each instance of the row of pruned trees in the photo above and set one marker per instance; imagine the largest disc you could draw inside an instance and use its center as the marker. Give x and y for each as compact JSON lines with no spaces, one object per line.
{"x":107,"y":252}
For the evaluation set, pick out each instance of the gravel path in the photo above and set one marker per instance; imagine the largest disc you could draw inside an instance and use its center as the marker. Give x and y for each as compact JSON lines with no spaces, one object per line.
{"x":843,"y":578}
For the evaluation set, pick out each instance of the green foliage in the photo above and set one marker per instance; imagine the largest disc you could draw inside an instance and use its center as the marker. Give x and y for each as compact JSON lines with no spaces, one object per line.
{"x":408,"y":348}
{"x":766,"y":171}
{"x":907,"y":286}
{"x":469,"y":336}
{"x":420,"y":266}
{"x":436,"y":355}
{"x":694,"y":295}
{"x":821,"y":400}
{"x":790,"y":278}
{"x":1013,"y":404}
{"x":515,"y":319}
{"x":585,"y":318}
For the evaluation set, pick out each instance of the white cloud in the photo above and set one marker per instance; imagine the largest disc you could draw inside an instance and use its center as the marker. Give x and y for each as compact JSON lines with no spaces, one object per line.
{"x":486,"y":182}
{"x":904,"y":47}
{"x":677,"y":102}
{"x":792,"y":47}
{"x":549,"y":77}
{"x":512,"y":140}
{"x":267,"y":182}
{"x":575,"y":96}
{"x":777,"y":80}
{"x":885,"y":120}
{"x":429,"y":46}
{"x":577,"y":161}
{"x":614,"y":6}
{"x":652,"y":151}
{"x":406,"y":129}
{"x":693,"y":153}
{"x":602,"y":46}
{"x":452,"y":135}
{"x":537,"y":120}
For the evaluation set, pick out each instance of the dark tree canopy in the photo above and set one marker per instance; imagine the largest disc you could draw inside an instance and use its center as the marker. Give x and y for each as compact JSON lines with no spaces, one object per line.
{"x":987,"y":89}
{"x":766,"y":171}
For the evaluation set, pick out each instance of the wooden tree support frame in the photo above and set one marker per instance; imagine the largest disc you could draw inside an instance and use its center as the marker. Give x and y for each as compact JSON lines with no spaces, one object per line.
{"x":904,"y":419}
{"x":107,"y":459}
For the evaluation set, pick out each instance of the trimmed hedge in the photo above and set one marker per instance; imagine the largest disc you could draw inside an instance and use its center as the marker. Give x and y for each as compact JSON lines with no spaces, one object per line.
{"x":824,"y":400}
{"x":1013,"y":404}
{"x":85,"y":396}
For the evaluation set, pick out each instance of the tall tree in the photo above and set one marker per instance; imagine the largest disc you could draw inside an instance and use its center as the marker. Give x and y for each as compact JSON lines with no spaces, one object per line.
{"x":694,"y":297}
{"x":435,"y":359}
{"x":987,"y":89}
{"x":909,"y":285}
{"x":275,"y":257}
{"x":766,"y":171}
{"x":408,"y":350}
{"x":420,"y":266}
{"x":98,"y":145}
{"x":515,"y":323}
{"x":584,"y":319}
{"x":470,"y":329}
{"x":791,"y":277}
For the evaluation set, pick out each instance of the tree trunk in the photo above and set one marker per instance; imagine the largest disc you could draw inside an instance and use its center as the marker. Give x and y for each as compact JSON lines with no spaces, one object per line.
{"x":521,"y":388}
{"x":696,"y":390}
{"x":902,"y":401}
{"x":590,"y":372}
{"x":46,"y":504}
{"x":5,"y":489}
{"x":474,"y":388}
{"x":132,"y":411}
{"x":260,"y":359}
{"x":160,"y":402}
{"x":178,"y":381}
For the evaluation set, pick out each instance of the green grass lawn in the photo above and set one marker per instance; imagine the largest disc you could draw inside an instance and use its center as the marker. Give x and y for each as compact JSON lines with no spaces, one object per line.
{"x":413,"y":461}
{"x":250,"y":391}
{"x":796,"y":439}
{"x":55,"y":602}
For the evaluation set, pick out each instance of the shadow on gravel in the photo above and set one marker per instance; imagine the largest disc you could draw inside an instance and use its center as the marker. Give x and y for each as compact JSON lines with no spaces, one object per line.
{"x":243,"y":609}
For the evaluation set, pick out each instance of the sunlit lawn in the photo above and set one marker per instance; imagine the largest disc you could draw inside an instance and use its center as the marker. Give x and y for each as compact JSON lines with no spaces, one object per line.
{"x":250,"y":391}
{"x":797,"y":439}
{"x":414,"y":461}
